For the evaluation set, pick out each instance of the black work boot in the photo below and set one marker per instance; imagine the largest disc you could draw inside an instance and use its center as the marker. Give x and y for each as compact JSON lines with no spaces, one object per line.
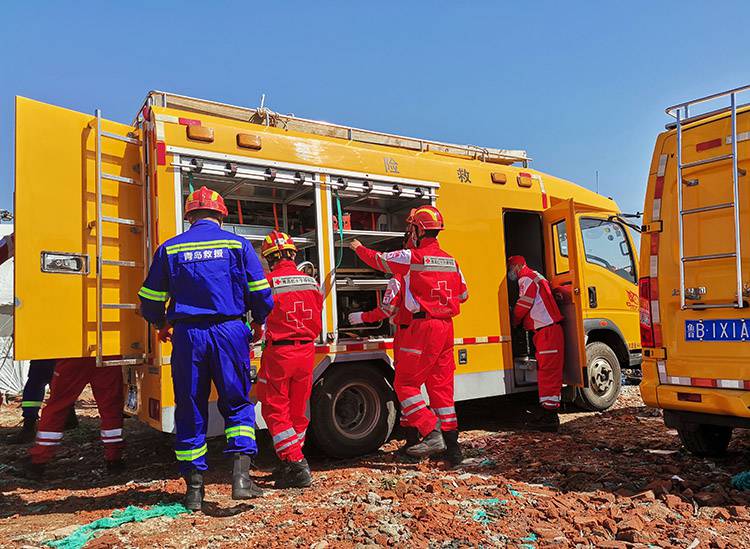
{"x":544,"y":420}
{"x":412,"y":439}
{"x":27,"y":433}
{"x":34,"y":471}
{"x":279,"y":471}
{"x":71,"y":422}
{"x":243,"y":486}
{"x":431,"y":444}
{"x":195,"y":490}
{"x":296,"y":475}
{"x":453,"y":453}
{"x":115,"y":466}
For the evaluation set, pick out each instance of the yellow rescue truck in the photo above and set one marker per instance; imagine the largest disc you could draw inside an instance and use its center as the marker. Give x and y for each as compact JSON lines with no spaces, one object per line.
{"x":94,"y":198}
{"x":695,"y":285}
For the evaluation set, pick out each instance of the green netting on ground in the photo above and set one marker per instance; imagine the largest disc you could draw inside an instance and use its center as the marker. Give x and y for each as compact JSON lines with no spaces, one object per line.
{"x":82,"y":535}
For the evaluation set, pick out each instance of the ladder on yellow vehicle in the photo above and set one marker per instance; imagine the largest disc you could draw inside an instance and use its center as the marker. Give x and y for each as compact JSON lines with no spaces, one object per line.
{"x":681,"y":113}
{"x":101,"y":261}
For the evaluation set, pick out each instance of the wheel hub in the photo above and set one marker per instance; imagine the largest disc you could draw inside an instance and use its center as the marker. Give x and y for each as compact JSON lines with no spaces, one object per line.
{"x":356,"y":409}
{"x":601,"y":376}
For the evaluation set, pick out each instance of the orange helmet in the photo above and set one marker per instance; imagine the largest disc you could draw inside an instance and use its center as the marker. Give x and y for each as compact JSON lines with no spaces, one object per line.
{"x":205,"y":199}
{"x":275,"y":242}
{"x":427,"y":218}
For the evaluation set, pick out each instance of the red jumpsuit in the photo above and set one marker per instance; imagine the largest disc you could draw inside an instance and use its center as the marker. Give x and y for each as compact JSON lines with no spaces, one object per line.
{"x":537,"y":309}
{"x":286,"y":366}
{"x":434,"y":288}
{"x":70,"y":377}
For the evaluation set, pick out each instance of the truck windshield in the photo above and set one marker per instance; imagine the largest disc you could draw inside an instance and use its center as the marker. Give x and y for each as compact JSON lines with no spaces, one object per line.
{"x":606,"y":244}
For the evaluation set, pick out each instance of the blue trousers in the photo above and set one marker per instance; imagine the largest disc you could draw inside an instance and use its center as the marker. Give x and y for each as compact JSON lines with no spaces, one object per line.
{"x":40,"y":375}
{"x":203,"y":352}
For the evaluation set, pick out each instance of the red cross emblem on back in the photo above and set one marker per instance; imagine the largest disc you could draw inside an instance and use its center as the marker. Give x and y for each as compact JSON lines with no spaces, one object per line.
{"x":443,"y":293}
{"x":298,"y":314}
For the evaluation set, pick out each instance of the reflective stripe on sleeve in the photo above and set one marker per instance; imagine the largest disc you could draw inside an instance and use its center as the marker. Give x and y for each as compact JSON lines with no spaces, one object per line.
{"x":31,"y":404}
{"x":258,"y":285}
{"x":153,"y":295}
{"x":239,"y":431}
{"x":550,"y":352}
{"x":190,"y":455}
{"x":411,"y":351}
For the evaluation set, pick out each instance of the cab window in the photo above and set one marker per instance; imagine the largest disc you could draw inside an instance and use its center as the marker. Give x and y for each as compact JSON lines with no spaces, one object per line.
{"x":560,"y":238}
{"x":606,"y":244}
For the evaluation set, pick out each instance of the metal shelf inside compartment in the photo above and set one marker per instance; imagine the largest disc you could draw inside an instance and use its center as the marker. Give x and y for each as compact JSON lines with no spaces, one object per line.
{"x":367,"y":237}
{"x":358,"y":284}
{"x":256,"y":233}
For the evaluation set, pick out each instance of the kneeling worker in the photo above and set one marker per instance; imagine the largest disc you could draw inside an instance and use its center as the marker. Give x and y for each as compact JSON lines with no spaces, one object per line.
{"x":211,"y":278}
{"x":537,"y":310}
{"x":288,"y":360}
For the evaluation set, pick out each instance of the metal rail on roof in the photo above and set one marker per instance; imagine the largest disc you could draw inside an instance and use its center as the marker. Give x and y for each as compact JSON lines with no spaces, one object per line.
{"x":265,"y":116}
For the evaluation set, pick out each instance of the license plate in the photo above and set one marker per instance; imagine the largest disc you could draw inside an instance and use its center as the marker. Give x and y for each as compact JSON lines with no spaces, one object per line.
{"x":733,"y":329}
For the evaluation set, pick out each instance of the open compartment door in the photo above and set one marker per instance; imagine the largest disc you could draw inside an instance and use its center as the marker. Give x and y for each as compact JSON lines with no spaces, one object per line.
{"x":79,"y":235}
{"x":564,"y":274}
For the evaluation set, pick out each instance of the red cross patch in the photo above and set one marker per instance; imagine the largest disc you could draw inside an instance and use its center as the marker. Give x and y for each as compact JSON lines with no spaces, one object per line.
{"x":443,"y":293}
{"x":298,"y":314}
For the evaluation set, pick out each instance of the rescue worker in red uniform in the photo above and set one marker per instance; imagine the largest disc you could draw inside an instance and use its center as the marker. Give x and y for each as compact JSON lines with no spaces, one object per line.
{"x":288,"y":360}
{"x":434,"y":289}
{"x":537,"y":310}
{"x":70,"y":378}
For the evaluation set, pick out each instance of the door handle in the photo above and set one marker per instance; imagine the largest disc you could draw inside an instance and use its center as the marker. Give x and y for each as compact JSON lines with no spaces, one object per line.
{"x":592,"y":297}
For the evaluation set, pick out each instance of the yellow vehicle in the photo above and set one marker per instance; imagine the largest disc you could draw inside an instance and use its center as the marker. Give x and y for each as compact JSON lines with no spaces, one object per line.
{"x":695,"y":283}
{"x":94,"y":198}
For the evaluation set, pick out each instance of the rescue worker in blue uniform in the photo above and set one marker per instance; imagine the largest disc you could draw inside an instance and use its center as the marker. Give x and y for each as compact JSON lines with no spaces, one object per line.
{"x":211,"y":278}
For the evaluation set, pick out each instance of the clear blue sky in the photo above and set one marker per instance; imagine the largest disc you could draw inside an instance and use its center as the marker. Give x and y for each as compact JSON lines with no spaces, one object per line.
{"x":580,"y":85}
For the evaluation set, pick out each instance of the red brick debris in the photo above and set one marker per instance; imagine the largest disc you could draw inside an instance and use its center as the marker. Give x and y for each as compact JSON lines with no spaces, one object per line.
{"x":613,"y":480}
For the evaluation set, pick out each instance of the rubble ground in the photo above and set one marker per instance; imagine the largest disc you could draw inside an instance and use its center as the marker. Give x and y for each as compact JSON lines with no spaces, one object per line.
{"x":613,"y":479}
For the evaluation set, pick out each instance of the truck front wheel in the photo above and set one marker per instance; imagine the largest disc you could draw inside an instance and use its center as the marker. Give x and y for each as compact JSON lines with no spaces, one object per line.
{"x":705,"y":440}
{"x":604,"y":378}
{"x":353,"y":410}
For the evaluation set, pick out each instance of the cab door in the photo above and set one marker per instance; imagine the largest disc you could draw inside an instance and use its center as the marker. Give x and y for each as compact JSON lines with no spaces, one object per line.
{"x":79,"y":235}
{"x":562,"y":247}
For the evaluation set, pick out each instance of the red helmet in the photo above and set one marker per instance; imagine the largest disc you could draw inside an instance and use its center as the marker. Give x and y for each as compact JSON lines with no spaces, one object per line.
{"x":516,"y":261}
{"x":275,"y":242}
{"x":427,"y":218}
{"x":205,"y":199}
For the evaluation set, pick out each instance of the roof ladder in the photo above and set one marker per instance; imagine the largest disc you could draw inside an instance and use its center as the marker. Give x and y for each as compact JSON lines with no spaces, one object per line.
{"x":682,"y":114}
{"x":100,"y":260}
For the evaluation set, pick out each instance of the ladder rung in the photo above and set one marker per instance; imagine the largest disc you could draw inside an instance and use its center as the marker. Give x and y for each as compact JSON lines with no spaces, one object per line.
{"x":119,"y":263}
{"x":120,"y":220}
{"x":123,"y":362}
{"x":121,"y":179}
{"x":119,"y":306}
{"x":732,"y":305}
{"x":125,"y":138}
{"x":707,"y":257}
{"x":708,"y":208}
{"x":707,"y":161}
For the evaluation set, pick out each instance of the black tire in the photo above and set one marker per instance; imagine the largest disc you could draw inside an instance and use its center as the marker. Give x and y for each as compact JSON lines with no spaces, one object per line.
{"x":605,"y":378}
{"x":353,"y":409}
{"x":705,"y":440}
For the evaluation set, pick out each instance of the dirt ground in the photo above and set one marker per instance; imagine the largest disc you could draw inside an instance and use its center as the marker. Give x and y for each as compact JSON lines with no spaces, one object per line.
{"x":616,"y":479}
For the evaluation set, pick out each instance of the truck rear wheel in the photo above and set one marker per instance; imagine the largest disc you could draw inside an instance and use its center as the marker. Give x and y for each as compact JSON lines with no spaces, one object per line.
{"x":705,"y":440}
{"x":604,"y":375}
{"x":353,"y":410}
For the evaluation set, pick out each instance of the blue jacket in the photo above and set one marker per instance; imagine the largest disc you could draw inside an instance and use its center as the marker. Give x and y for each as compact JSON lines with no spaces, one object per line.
{"x":205,"y":272}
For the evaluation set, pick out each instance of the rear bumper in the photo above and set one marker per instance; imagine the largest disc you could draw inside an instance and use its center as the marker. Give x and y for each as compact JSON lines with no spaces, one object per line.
{"x":684,"y":420}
